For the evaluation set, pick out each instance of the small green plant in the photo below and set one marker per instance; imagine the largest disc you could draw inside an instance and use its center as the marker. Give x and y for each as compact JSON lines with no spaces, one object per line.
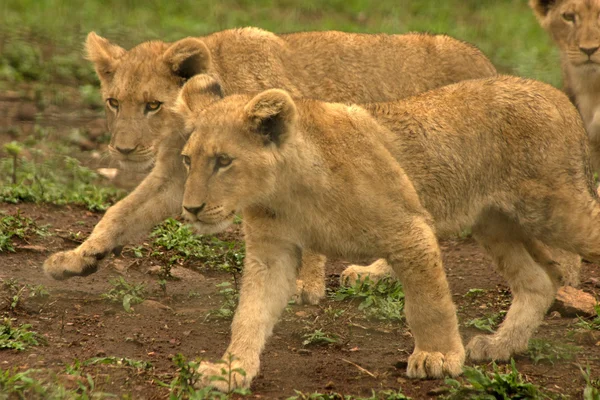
{"x":17,"y":293}
{"x":13,"y":149}
{"x":319,"y":338}
{"x":183,"y":385}
{"x":125,"y":293}
{"x":592,"y":386}
{"x":383,"y":299}
{"x":487,"y":323}
{"x":119,"y":361}
{"x":381,"y":395}
{"x":540,"y":350}
{"x":227,"y":308}
{"x":480,"y":384}
{"x":17,"y":227}
{"x":475,"y":292}
{"x":593,"y":323}
{"x":177,"y":243}
{"x":18,"y":338}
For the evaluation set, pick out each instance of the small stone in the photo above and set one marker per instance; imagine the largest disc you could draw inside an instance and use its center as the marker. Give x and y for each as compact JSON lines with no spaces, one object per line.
{"x":304,"y":351}
{"x":330,"y":385}
{"x":554,"y":315}
{"x":301,"y":314}
{"x":571,"y":302}
{"x":101,"y":353}
{"x":26,"y":112}
{"x":438,"y":391}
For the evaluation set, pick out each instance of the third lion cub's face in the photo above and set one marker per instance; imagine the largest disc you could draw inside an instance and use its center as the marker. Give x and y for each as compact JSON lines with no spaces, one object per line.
{"x":575,"y":27}
{"x":139,"y":87}
{"x":233,"y":156}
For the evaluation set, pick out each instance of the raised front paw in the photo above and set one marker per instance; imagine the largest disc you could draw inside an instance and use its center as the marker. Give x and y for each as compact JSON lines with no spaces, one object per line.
{"x":423,"y":364}
{"x":487,"y":347}
{"x":309,"y":292}
{"x":223,"y":376}
{"x":66,"y":264}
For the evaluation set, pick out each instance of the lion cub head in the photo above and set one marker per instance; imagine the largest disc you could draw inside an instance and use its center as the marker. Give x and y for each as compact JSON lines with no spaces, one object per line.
{"x":139,"y":87}
{"x":575,"y":26}
{"x":233,"y":153}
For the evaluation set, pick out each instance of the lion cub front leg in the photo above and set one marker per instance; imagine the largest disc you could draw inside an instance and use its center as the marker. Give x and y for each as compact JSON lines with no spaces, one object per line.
{"x":149,"y":204}
{"x":430,"y":312}
{"x":268,"y":281}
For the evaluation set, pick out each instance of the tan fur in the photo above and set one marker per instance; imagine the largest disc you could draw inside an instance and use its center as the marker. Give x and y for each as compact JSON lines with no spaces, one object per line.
{"x":332,"y":66}
{"x":384,"y":180}
{"x":581,"y":71}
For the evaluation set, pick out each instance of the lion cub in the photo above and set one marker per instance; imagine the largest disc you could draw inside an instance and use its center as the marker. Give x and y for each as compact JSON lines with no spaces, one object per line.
{"x":505,"y":156}
{"x":575,"y":28}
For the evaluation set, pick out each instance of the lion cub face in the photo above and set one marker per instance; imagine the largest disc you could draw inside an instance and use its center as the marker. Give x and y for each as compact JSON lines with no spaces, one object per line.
{"x":233,"y":154}
{"x":575,"y":27}
{"x":138,"y":87}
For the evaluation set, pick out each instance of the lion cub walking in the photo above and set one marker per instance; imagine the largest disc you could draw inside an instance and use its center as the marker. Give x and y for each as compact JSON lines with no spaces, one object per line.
{"x":505,"y":156}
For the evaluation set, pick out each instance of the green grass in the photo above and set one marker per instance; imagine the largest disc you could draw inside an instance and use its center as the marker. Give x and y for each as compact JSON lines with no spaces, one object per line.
{"x":383,"y":300}
{"x":17,"y":227}
{"x":17,"y":338}
{"x":42,"y":40}
{"x":319,"y":338}
{"x":381,"y":395}
{"x":480,"y":384}
{"x":125,"y":293}
{"x":592,"y":323}
{"x":487,"y":323}
{"x":540,"y":350}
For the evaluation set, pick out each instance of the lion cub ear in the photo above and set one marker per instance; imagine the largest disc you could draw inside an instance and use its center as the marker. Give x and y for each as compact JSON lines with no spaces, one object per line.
{"x":103,"y":54}
{"x":542,"y":7}
{"x":188,"y":57}
{"x":272,"y":114}
{"x":197,"y":94}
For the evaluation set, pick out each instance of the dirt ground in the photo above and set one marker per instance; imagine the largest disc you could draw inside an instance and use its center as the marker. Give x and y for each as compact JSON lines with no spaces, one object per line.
{"x":78,"y":325}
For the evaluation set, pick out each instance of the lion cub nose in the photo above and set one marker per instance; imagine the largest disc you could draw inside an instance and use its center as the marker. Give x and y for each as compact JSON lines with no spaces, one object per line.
{"x":194,"y":210}
{"x":126,"y":150}
{"x":589,"y":50}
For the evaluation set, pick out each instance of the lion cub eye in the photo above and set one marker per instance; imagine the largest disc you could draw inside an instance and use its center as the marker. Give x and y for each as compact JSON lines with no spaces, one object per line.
{"x":569,"y":17}
{"x":113,"y":103}
{"x":223,"y":160}
{"x":153,"y":106}
{"x":186,"y":160}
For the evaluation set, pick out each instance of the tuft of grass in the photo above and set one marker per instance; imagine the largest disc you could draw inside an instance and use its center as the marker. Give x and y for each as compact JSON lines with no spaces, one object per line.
{"x":383,"y":300}
{"x":540,"y":350}
{"x":176,"y":242}
{"x":230,"y":301}
{"x":57,"y":180}
{"x":183,"y":384}
{"x":591,"y":324}
{"x":319,"y":338}
{"x":17,"y":293}
{"x":17,"y":226}
{"x":125,"y":293}
{"x":592,"y":386}
{"x":381,"y":395}
{"x":479,"y":384}
{"x":17,"y":338}
{"x":119,"y":361}
{"x":487,"y":323}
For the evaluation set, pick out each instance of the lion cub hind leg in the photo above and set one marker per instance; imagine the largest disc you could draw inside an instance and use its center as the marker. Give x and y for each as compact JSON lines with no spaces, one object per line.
{"x":430,"y":312}
{"x":533,"y":289}
{"x":310,"y":285}
{"x":375,"y":272}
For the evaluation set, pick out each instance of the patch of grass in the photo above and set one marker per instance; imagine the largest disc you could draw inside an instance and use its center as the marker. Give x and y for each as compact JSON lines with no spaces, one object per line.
{"x":177,"y":242}
{"x":540,"y":350}
{"x":17,"y":292}
{"x":119,"y":361}
{"x":183,"y":385}
{"x":591,"y":324}
{"x":487,"y":323}
{"x":230,"y":301}
{"x":17,"y":226}
{"x":56,"y":180}
{"x":319,"y":338}
{"x":125,"y":293}
{"x":381,"y":395}
{"x":480,"y":384}
{"x":592,"y":386}
{"x":383,"y":300}
{"x":17,"y":338}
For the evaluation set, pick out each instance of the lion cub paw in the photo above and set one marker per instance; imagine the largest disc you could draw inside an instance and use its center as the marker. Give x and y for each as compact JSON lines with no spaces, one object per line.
{"x":423,"y":364}
{"x":66,"y":264}
{"x":484,"y":347}
{"x":217,"y":376}
{"x":309,"y":292}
